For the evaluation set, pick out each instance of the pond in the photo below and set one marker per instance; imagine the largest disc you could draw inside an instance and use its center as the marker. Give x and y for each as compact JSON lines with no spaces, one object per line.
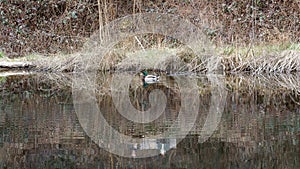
{"x":201,"y":121}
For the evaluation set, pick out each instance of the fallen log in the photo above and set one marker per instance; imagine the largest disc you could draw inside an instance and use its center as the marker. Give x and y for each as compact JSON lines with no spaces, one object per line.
{"x":14,"y":73}
{"x":4,"y":65}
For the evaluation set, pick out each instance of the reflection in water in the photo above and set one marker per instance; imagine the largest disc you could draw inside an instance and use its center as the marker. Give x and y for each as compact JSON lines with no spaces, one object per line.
{"x":102,"y":133}
{"x":163,"y":145}
{"x":259,"y":127}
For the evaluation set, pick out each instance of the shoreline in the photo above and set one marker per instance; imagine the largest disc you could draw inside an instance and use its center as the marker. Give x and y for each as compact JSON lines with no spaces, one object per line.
{"x":227,"y":59}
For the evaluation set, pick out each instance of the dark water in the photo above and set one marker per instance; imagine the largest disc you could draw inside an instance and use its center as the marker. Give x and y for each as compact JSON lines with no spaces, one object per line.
{"x":259,"y":126}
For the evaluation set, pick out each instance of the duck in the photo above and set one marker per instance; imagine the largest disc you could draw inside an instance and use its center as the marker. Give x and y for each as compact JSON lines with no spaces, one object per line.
{"x":162,"y":150}
{"x":149,"y":79}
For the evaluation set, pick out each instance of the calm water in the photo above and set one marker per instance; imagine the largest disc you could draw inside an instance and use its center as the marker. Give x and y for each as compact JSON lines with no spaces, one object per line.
{"x":259,"y":124}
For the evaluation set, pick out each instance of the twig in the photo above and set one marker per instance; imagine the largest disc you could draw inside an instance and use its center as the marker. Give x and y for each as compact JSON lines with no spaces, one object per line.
{"x":139,"y":43}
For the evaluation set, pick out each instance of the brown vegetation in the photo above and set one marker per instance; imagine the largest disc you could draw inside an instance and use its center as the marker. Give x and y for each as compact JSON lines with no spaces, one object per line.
{"x":49,"y":27}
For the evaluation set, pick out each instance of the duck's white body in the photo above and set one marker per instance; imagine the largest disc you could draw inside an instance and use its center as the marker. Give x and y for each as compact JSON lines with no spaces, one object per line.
{"x":162,"y":150}
{"x":151,"y":79}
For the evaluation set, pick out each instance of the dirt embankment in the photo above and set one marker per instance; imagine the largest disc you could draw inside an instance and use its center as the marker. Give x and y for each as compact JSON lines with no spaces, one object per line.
{"x":49,"y":27}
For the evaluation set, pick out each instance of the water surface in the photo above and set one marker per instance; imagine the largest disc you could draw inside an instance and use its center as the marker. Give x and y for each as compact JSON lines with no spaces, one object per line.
{"x":259,"y":126}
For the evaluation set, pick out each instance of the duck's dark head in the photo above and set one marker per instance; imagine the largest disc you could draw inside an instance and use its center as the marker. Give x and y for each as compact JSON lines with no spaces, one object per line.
{"x":144,"y":73}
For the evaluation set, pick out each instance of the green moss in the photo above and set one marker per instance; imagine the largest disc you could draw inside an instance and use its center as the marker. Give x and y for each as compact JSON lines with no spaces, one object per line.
{"x":2,"y":80}
{"x":32,"y":57}
{"x":294,"y":46}
{"x":2,"y":55}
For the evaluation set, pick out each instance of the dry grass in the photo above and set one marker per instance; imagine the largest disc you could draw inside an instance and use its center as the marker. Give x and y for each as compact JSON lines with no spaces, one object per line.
{"x":172,"y":60}
{"x":267,"y":83}
{"x":243,"y":26}
{"x":148,"y":59}
{"x":64,"y":26}
{"x":255,"y":60}
{"x":284,"y":62}
{"x":259,"y":60}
